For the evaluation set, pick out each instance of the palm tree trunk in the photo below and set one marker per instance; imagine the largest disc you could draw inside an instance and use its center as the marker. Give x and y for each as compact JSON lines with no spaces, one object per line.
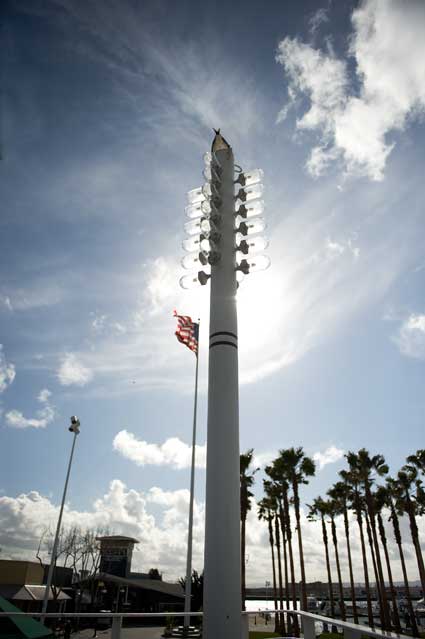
{"x":338,"y":569}
{"x":390,"y":575}
{"x":285,"y":560}
{"x":279,"y":565}
{"x":300,"y":545}
{"x":415,"y":538}
{"x":370,"y":506}
{"x":243,"y":571}
{"x":350,"y":566}
{"x":375,"y":569}
{"x":397,"y":536}
{"x":291,"y":560}
{"x":365,"y":568}
{"x":328,"y":567}
{"x":271,"y":540}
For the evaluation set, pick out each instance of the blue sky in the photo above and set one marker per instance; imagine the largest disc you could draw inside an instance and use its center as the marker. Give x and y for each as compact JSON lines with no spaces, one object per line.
{"x":107,"y":110}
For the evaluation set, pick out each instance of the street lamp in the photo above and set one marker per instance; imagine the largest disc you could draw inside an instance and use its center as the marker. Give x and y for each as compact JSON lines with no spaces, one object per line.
{"x":73,"y":428}
{"x":223,"y":239}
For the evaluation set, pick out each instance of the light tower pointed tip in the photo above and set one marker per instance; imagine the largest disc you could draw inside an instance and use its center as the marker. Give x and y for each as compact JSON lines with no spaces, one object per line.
{"x":219,"y":143}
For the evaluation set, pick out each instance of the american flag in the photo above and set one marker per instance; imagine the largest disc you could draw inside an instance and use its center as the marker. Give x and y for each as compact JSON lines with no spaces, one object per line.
{"x":187,"y":332}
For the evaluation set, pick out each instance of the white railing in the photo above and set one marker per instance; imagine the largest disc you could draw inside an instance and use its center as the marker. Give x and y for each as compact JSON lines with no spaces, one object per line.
{"x":308,"y":621}
{"x":350,"y":630}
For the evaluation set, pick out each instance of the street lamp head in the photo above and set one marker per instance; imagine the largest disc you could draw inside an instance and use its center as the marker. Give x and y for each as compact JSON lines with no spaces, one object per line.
{"x":75,"y":425}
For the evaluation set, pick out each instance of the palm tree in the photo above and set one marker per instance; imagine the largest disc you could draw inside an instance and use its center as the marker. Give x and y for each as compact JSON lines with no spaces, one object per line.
{"x":418,"y":460}
{"x":276,"y":474}
{"x":381,"y":502}
{"x":392,"y":495}
{"x":318,"y":510}
{"x":277,"y":536}
{"x":283,"y":527}
{"x":265,"y":512}
{"x":410,"y":488}
{"x":351,"y":478}
{"x":273,"y":496}
{"x":246,"y":481}
{"x":334,"y":509}
{"x":340,"y":493}
{"x":368,"y":468}
{"x":297,"y":467}
{"x":374,"y":564}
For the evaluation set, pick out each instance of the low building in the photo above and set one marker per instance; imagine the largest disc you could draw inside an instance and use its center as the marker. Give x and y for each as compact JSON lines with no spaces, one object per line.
{"x":22,"y":583}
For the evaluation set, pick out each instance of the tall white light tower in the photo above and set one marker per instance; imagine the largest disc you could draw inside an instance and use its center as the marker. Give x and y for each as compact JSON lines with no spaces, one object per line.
{"x":220,"y":239}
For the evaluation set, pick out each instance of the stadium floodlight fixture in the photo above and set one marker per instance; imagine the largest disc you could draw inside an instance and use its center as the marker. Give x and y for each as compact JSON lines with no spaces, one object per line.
{"x":256,"y":225}
{"x":194,"y":280}
{"x":195,"y":195}
{"x":194,"y":260}
{"x":212,"y":173}
{"x":249,"y":178}
{"x":252,"y":245}
{"x":250,"y":193}
{"x":254,"y":264}
{"x":203,"y":225}
{"x":250,"y":209}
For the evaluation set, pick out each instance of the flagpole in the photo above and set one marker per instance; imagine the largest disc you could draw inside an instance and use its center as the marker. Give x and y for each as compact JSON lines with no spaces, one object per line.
{"x":188,"y":585}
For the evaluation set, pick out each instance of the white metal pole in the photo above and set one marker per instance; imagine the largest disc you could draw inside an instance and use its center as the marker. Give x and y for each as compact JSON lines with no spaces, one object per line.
{"x":58,"y":527}
{"x":222,"y":586}
{"x":188,"y":586}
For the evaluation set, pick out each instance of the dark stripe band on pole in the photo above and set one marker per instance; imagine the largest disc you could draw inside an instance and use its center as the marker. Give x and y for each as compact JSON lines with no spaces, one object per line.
{"x":224,"y":343}
{"x":223,"y":333}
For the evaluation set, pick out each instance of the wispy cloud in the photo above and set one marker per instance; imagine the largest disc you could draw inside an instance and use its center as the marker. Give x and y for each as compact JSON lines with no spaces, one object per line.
{"x":354,"y":128}
{"x":173,"y":452}
{"x":45,"y":415}
{"x":73,"y":372}
{"x":318,"y":18}
{"x":41,"y":294}
{"x":411,"y":336}
{"x":328,"y":456}
{"x":7,"y":371}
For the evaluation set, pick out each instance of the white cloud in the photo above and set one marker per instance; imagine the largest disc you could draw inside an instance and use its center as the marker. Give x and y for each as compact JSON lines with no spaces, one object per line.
{"x":260,"y":460}
{"x":162,"y":536}
{"x":328,"y":456}
{"x":7,"y":371}
{"x":45,"y":415}
{"x":44,"y":395}
{"x":173,"y":452}
{"x":72,"y":371}
{"x":411,"y":337}
{"x":158,"y":519}
{"x":355,"y":128}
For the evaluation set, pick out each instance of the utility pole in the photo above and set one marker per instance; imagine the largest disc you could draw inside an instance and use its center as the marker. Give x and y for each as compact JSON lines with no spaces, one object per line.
{"x":218,"y":239}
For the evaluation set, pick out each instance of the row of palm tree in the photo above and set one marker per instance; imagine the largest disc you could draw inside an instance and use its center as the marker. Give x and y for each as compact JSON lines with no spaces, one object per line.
{"x":364,"y":489}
